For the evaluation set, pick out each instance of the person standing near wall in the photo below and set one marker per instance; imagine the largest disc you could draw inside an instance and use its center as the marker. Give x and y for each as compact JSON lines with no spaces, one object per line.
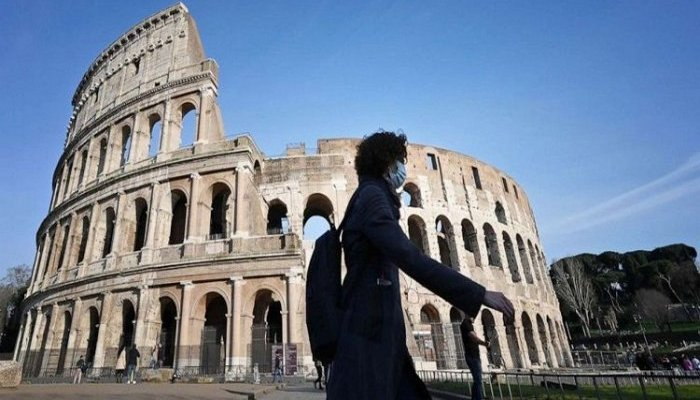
{"x":471,"y":343}
{"x":132,"y":359}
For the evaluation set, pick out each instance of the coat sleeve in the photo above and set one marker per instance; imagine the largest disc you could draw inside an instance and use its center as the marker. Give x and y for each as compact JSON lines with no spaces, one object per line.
{"x":383,"y":231}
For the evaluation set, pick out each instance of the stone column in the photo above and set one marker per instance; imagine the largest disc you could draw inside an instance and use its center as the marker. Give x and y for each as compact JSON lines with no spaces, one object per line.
{"x":94,"y":216}
{"x":74,"y":334}
{"x":238,"y":352}
{"x":140,"y":337}
{"x":37,"y":264}
{"x":119,"y":224}
{"x":184,"y":342}
{"x":35,"y":339}
{"x":242,"y":220}
{"x":192,"y":220}
{"x":538,"y":342}
{"x":504,"y":346}
{"x":551,"y":346}
{"x":149,"y":245}
{"x":105,"y":315}
{"x":293,"y":291}
{"x":229,"y":340}
{"x":22,"y":338}
{"x":168,"y":140}
{"x":48,"y":347}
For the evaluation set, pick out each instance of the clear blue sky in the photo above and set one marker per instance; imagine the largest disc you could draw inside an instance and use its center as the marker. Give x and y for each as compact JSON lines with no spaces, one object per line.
{"x":593,"y":107}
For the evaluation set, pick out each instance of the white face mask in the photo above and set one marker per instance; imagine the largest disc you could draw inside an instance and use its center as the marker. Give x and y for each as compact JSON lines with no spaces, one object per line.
{"x":397,"y":174}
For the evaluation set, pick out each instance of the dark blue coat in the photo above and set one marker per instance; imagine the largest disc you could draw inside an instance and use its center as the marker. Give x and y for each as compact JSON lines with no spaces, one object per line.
{"x":372,"y":360}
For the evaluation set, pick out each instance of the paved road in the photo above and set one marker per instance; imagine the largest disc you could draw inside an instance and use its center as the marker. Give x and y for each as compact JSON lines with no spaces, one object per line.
{"x":147,"y":391}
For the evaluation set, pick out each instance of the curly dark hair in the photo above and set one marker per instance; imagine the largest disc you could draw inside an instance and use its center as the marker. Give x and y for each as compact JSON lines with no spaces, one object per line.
{"x":378,"y":151}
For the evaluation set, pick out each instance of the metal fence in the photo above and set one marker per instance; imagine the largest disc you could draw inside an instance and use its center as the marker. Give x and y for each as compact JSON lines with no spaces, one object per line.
{"x":603,"y":359}
{"x":607,"y":385}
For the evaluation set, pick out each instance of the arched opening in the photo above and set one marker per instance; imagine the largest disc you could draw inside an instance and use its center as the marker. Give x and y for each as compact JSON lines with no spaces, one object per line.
{"x":63,"y":350}
{"x":126,"y":145}
{"x":64,"y":245}
{"x":83,"y":164}
{"x":109,"y":220}
{"x":213,"y":353}
{"x":84,"y":232}
{"x":52,"y":238}
{"x":266,"y":329}
{"x":155,"y":129}
{"x":446,"y":242}
{"x":103,"y":157}
{"x":524,"y":259}
{"x":168,"y":324}
{"x":44,"y":340}
{"x":533,"y":260}
{"x":530,"y":339}
{"x":490,"y":334}
{"x":554,"y":338}
{"x":128,"y":321}
{"x":510,"y":257}
{"x":178,"y":217}
{"x":188,"y":124}
{"x":513,"y":346}
{"x":410,"y":197}
{"x":318,"y":215}
{"x":492,"y":246}
{"x":218,"y":222}
{"x":500,"y":213}
{"x":435,"y":348}
{"x":277,"y":221}
{"x":92,"y":331}
{"x":543,"y":339}
{"x":471,"y":243}
{"x":69,"y":171}
{"x":417,"y":233}
{"x":141,"y":210}
{"x":456,"y":320}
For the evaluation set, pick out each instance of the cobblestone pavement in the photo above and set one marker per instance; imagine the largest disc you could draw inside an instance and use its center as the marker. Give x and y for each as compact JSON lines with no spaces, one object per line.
{"x":147,"y":391}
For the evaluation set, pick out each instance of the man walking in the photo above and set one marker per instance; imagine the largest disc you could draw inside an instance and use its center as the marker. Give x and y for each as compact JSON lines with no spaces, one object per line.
{"x":81,"y":368}
{"x":131,"y":362}
{"x":471,"y":344}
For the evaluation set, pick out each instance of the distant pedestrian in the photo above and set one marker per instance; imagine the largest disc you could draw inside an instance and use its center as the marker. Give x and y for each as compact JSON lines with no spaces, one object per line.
{"x":686,"y":363}
{"x":277,"y":372}
{"x":696,"y":363}
{"x":132,"y":359}
{"x":318,"y":383}
{"x":81,"y":368}
{"x":471,"y":344}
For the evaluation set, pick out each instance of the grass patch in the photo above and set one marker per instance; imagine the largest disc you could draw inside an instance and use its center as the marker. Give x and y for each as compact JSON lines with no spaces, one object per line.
{"x":654,"y":392}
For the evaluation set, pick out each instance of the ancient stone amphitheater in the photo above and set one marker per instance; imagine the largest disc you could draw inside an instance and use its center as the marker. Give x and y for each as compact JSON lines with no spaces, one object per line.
{"x":166,"y":233}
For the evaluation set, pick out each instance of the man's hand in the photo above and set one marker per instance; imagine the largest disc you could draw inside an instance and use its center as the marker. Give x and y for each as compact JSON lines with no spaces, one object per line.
{"x":499,"y":302}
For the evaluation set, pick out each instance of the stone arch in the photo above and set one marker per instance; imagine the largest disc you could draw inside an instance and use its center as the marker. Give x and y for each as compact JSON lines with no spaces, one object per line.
{"x":456,"y":318}
{"x":524,"y":260}
{"x":155,"y":134}
{"x":446,"y":242}
{"x":510,"y":257}
{"x":141,"y":219}
{"x":64,"y":328}
{"x":109,"y":219}
{"x":494,"y":257}
{"x":491,"y":335}
{"x":543,"y":340}
{"x":417,"y":233}
{"x":84,"y":233}
{"x":102,"y":158}
{"x":89,"y":328}
{"x":219,"y":224}
{"x":513,"y":346}
{"x":530,"y":339}
{"x":433,"y":347}
{"x":44,"y":341}
{"x":168,"y":326}
{"x":554,"y":338}
{"x":471,"y":242}
{"x":125,"y":145}
{"x":500,"y":213}
{"x":411,"y":196}
{"x":318,"y":204}
{"x":533,"y":260}
{"x":83,"y":166}
{"x":266,"y":329}
{"x":178,"y":217}
{"x":187,"y":124}
{"x":64,"y":245}
{"x":277,"y":220}
{"x":209,"y":318}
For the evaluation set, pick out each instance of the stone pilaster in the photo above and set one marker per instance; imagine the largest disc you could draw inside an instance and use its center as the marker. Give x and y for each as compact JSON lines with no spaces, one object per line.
{"x":183,"y":357}
{"x":105,"y":314}
{"x":193,"y":234}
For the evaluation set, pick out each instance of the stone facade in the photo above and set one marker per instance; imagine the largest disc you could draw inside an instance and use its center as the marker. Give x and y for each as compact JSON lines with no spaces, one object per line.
{"x":162,"y":231}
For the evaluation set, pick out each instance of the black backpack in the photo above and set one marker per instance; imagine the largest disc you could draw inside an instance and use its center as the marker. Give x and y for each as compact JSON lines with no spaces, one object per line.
{"x":324,"y":291}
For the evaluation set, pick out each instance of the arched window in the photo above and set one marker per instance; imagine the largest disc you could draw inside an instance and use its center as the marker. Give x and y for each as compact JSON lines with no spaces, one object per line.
{"x":530,"y":339}
{"x":178,"y":218}
{"x":533,"y":260}
{"x":64,"y":245}
{"x":126,"y":145}
{"x":83,"y":239}
{"x":417,"y":233}
{"x":524,"y":260}
{"x":446,"y":242}
{"x":277,"y":222}
{"x":141,"y":210}
{"x":500,"y":213}
{"x":103,"y":157}
{"x":83,"y":164}
{"x":544,"y":340}
{"x":188,"y":125}
{"x":492,"y":246}
{"x":52,"y":238}
{"x":433,"y":347}
{"x":69,"y":170}
{"x":411,"y":195}
{"x":109,"y":220}
{"x":471,"y":243}
{"x":318,"y":215}
{"x":510,"y":256}
{"x":491,"y":335}
{"x":218,"y":223}
{"x":156,"y":129}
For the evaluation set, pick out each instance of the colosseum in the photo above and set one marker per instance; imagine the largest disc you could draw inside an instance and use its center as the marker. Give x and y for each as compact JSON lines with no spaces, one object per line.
{"x":166,"y":233}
